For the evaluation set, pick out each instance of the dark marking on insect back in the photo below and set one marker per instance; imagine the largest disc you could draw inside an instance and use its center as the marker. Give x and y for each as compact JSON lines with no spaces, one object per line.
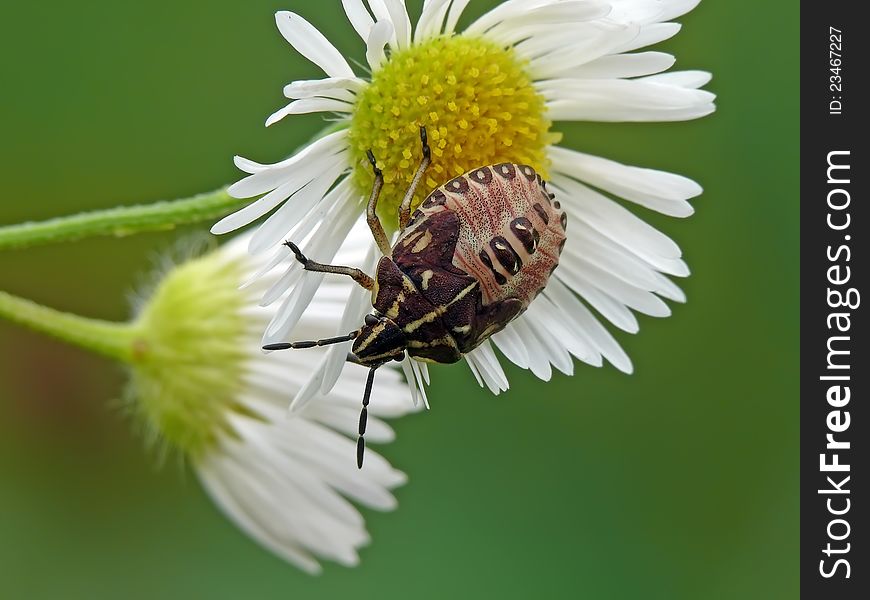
{"x":436,"y":198}
{"x":484,"y":258}
{"x":525,"y":232}
{"x":506,"y":170}
{"x":506,"y":255}
{"x":557,"y":205}
{"x":564,"y":220}
{"x":541,"y":213}
{"x":528,"y":173}
{"x":442,"y":229}
{"x":562,"y":245}
{"x":390,"y":283}
{"x":458,"y":185}
{"x":482,"y":175}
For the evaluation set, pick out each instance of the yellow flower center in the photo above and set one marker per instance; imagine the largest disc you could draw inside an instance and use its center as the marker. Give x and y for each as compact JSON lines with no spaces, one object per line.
{"x":476,"y":101}
{"x":189,"y":360}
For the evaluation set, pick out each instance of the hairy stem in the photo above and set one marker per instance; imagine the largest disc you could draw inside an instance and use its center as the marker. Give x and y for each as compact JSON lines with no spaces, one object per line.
{"x":108,"y":338}
{"x":120,"y":221}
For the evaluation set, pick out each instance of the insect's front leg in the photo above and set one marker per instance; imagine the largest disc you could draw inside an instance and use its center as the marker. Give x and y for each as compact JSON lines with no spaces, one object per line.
{"x":405,"y":207}
{"x":372,"y":216}
{"x":309,"y":265}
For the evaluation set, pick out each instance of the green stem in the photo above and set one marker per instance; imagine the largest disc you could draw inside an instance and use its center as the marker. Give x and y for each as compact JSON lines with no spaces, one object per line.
{"x":128,"y":220}
{"x":111,"y":339}
{"x":121,"y":221}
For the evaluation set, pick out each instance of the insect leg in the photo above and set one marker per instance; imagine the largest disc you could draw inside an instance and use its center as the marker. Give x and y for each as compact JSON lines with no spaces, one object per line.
{"x":405,"y":207}
{"x":371,"y":216}
{"x":363,"y":419}
{"x":312,"y":343}
{"x":309,"y":265}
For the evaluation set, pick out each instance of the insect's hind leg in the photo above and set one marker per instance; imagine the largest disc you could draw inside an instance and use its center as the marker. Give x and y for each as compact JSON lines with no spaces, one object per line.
{"x":371,"y":214}
{"x":405,"y":207}
{"x":309,"y":265}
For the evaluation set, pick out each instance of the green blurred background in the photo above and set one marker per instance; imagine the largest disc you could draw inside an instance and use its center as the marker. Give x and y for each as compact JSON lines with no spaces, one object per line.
{"x":680,"y":481}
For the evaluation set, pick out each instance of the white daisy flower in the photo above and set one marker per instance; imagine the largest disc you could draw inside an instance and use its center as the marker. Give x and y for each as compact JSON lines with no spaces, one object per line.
{"x":202,"y":386}
{"x":486,"y":95}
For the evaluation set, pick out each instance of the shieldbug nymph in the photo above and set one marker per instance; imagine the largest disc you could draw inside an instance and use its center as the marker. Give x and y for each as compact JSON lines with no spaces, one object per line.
{"x":469,"y":260}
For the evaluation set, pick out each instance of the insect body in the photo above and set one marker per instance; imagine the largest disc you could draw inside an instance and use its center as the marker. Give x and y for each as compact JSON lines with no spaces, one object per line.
{"x":469,"y":260}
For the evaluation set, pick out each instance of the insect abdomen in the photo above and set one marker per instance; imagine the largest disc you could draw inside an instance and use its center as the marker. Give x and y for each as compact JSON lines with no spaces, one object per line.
{"x":510,"y":230}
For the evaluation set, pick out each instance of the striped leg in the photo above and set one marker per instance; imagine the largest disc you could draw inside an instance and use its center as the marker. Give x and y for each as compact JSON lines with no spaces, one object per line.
{"x":309,"y":265}
{"x":405,"y":207}
{"x":372,"y":216}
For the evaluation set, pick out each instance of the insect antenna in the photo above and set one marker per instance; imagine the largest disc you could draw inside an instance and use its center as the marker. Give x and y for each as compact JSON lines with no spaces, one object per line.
{"x":363,"y":419}
{"x":312,"y":343}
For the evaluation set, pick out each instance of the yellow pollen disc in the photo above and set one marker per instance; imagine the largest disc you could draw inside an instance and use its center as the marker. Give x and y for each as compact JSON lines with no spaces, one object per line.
{"x":476,"y":101}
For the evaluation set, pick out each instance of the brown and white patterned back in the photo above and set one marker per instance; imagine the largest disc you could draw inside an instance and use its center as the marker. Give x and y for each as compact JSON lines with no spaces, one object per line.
{"x":510,"y":230}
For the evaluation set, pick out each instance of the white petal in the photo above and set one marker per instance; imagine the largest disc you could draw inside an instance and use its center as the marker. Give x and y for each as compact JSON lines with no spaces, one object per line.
{"x":379,"y":35}
{"x":658,"y":190}
{"x":552,"y":338}
{"x":613,"y":310}
{"x":672,"y":266}
{"x":312,"y":44}
{"x":330,"y":455}
{"x":598,"y":335}
{"x":511,"y":345}
{"x":411,"y":379}
{"x":431,"y":19}
{"x":637,"y":11}
{"x":398,"y":15}
{"x":213,"y":482}
{"x":359,"y":17}
{"x":294,"y":305}
{"x":651,"y":12}
{"x":339,"y":88}
{"x":309,"y":105}
{"x":268,"y":177}
{"x":520,"y":25}
{"x":260,"y":207}
{"x":554,"y":55}
{"x":456,"y":10}
{"x":289,"y":279}
{"x":255,"y":279}
{"x":618,"y":289}
{"x":622,"y":65}
{"x":614,"y":221}
{"x":538,"y":362}
{"x":487,"y":366}
{"x":503,"y":11}
{"x":568,"y":306}
{"x":623,"y":100}
{"x":424,"y":371}
{"x":358,"y":305}
{"x":346,"y":420}
{"x":281,"y":222}
{"x":566,"y":329}
{"x":567,"y":339}
{"x":648,"y":36}
{"x":268,"y":493}
{"x":685,"y":79}
{"x":669,"y":289}
{"x":418,"y":378}
{"x":589,"y":245}
{"x":289,"y":482}
{"x":472,"y":365}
